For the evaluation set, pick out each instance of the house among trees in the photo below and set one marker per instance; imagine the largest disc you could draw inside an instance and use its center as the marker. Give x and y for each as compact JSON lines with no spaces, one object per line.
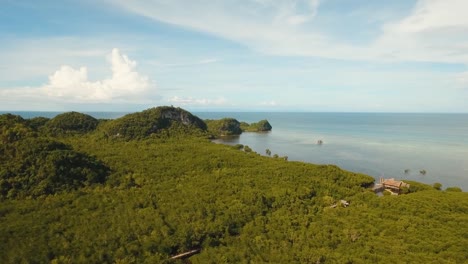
{"x":393,"y":185}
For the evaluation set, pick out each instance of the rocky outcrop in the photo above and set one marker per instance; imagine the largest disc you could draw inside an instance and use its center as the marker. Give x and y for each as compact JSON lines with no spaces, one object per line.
{"x":263,"y":126}
{"x":182,"y":116}
{"x":260,"y":126}
{"x":224,"y":127}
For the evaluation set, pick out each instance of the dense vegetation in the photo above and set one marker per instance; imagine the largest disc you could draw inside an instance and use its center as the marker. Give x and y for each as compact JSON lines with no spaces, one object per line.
{"x":173,"y":190}
{"x":32,"y":164}
{"x":231,"y":126}
{"x":260,"y":126}
{"x":224,"y":127}
{"x":37,"y":166}
{"x":71,"y":122}
{"x":152,"y":121}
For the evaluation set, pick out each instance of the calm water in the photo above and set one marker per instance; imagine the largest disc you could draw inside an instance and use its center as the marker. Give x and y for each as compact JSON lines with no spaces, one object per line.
{"x":374,"y":144}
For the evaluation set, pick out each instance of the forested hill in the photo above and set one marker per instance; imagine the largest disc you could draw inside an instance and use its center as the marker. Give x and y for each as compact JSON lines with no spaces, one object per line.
{"x":148,"y":186}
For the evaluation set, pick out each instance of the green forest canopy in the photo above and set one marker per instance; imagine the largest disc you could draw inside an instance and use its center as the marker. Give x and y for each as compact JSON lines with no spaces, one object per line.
{"x":142,"y":198}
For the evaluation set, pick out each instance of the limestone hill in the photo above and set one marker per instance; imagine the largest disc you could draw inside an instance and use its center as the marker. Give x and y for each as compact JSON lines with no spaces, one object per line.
{"x":152,"y":121}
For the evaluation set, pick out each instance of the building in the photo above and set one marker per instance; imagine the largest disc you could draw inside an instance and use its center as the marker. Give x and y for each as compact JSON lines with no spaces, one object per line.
{"x":393,"y":185}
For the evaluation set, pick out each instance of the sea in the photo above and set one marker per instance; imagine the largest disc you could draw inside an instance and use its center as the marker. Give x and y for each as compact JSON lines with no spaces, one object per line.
{"x":428,"y":148}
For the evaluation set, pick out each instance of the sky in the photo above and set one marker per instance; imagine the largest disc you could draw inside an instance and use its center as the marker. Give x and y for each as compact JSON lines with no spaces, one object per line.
{"x":234,"y":55}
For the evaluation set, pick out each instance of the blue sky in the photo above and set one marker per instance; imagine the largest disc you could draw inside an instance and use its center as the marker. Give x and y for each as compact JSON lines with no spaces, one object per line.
{"x":226,"y":55}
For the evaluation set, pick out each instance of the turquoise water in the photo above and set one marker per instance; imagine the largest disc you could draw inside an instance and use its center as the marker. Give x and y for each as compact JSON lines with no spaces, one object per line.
{"x":377,"y":144}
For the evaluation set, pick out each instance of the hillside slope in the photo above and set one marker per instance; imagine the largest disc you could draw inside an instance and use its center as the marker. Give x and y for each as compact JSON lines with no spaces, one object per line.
{"x":168,"y":195}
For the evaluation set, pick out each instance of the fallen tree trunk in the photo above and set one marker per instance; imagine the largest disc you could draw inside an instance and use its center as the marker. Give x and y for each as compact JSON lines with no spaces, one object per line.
{"x":186,"y":254}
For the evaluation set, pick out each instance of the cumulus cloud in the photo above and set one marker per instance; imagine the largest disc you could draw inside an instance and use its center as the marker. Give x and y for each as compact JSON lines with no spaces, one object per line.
{"x":72,"y":85}
{"x":190,"y":101}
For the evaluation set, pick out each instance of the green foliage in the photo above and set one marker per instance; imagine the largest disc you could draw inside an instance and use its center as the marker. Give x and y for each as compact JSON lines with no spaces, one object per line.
{"x":71,"y":123}
{"x":13,"y":128}
{"x":453,"y":189}
{"x":37,"y":123}
{"x":437,"y":186}
{"x":172,"y":192}
{"x":261,"y":126}
{"x":247,"y":149}
{"x":224,"y":127}
{"x":230,"y":126}
{"x":238,"y":146}
{"x":404,"y":190}
{"x":417,"y":186}
{"x":38,"y":166}
{"x":153,"y":121}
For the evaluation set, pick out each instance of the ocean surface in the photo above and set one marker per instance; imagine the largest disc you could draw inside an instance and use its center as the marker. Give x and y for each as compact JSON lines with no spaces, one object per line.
{"x":377,"y":144}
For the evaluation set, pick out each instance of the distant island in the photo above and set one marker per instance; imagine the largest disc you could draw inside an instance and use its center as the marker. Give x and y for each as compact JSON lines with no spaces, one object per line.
{"x":230,"y":126}
{"x":151,"y":187}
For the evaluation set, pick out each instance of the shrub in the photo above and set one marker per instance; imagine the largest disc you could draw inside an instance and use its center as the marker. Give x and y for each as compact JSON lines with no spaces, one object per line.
{"x":453,"y":189}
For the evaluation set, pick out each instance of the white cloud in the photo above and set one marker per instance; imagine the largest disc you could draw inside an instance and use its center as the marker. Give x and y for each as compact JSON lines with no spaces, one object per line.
{"x":208,"y":61}
{"x":72,"y":85}
{"x":190,"y":101}
{"x":31,"y":60}
{"x":272,"y":26}
{"x":185,"y":63}
{"x":269,"y":103}
{"x":462,"y":79}
{"x":435,"y":30}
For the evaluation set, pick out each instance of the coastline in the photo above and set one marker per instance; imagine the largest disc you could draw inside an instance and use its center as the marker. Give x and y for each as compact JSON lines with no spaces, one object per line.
{"x":376,"y":144}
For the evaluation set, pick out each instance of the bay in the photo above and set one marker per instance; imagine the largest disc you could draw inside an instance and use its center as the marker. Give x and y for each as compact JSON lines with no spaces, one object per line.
{"x":377,"y":144}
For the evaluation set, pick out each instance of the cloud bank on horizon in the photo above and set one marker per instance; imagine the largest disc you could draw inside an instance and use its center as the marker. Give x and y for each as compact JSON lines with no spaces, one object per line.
{"x":302,"y":55}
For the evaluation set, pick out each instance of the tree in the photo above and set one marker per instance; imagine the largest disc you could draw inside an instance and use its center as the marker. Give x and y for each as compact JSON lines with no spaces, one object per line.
{"x":71,"y":122}
{"x":453,"y":189}
{"x":239,"y":146}
{"x":437,"y":186}
{"x":268,"y":152}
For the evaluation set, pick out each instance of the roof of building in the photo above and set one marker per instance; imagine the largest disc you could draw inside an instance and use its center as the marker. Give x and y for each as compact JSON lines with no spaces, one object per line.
{"x":393,"y":183}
